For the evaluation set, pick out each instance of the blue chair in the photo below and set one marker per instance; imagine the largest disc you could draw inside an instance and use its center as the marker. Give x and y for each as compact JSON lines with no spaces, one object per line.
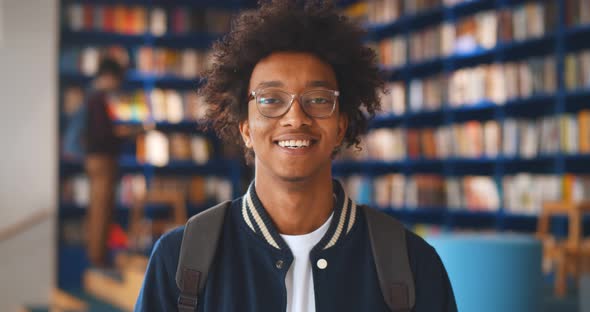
{"x":492,"y":272}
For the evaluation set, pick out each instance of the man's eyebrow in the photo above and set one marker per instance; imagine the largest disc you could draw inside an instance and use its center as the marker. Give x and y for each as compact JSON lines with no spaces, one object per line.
{"x":309,"y":84}
{"x":319,"y":83}
{"x":267,"y":84}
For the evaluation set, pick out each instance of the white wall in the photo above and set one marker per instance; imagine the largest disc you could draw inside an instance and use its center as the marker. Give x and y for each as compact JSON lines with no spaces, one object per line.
{"x":28,"y":147}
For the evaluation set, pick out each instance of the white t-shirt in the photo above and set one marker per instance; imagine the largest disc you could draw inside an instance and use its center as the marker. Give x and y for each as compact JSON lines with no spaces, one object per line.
{"x":299,"y":279}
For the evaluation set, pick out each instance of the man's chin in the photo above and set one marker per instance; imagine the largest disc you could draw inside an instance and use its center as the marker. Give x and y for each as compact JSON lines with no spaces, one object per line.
{"x":295,"y":179}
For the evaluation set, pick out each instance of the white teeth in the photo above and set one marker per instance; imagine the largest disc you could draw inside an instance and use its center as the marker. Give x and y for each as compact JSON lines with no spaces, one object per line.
{"x":294,"y":143}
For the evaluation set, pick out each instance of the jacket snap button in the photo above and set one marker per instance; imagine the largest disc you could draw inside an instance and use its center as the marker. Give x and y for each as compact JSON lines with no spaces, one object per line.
{"x":279,"y":264}
{"x":322,"y":264}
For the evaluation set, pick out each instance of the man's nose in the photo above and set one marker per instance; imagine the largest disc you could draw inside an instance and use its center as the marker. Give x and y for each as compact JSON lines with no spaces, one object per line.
{"x":296,"y":117}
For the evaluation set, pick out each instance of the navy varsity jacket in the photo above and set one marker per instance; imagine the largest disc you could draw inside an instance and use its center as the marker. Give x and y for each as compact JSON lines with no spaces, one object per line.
{"x":249,"y":269}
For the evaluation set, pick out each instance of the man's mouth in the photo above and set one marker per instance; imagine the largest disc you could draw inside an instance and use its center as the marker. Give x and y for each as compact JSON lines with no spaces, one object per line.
{"x":295,"y":144}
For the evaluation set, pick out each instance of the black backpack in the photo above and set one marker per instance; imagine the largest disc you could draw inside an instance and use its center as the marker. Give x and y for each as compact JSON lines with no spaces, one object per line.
{"x":388,"y":238}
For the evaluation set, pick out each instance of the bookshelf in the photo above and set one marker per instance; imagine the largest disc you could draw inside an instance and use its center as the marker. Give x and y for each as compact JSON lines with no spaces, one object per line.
{"x":164,"y":45}
{"x":552,"y":45}
{"x":543,"y":48}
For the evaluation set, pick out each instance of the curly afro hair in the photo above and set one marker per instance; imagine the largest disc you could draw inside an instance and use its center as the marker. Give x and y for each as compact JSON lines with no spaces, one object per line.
{"x":313,"y":27}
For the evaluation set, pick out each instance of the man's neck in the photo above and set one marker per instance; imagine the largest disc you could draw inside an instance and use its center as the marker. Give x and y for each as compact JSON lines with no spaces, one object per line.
{"x":298,"y":207}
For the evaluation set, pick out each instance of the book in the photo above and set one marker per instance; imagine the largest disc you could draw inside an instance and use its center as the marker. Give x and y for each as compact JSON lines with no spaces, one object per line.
{"x":416,"y":95}
{"x":524,"y":193}
{"x":549,"y":138}
{"x":216,"y":21}
{"x":448,"y":38}
{"x":89,"y":60}
{"x":492,"y":138}
{"x":382,"y":191}
{"x":394,"y":99}
{"x":180,"y":20}
{"x":480,"y":193}
{"x":584,"y":131}
{"x":184,"y":63}
{"x":453,"y":193}
{"x":494,"y":82}
{"x":397,"y":190}
{"x":129,"y":20}
{"x":576,"y":12}
{"x":528,"y":138}
{"x":85,"y":60}
{"x":120,"y":18}
{"x":581,"y":188}
{"x":571,"y":71}
{"x":197,"y":192}
{"x":443,"y":141}
{"x":75,"y":190}
{"x":505,"y":25}
{"x":473,"y":139}
{"x":156,"y":148}
{"x":386,"y":144}
{"x":200,"y":149}
{"x":130,"y":188}
{"x":109,"y":19}
{"x":158,"y":22}
{"x":568,"y":133}
{"x":75,"y":17}
{"x":384,"y":11}
{"x":487,"y":29}
{"x":392,"y":51}
{"x":577,"y":70}
{"x":87,"y":17}
{"x":413,"y":143}
{"x":535,"y":18}
{"x":174,"y":107}
{"x":428,"y":143}
{"x":159,"y":149}
{"x":180,"y":146}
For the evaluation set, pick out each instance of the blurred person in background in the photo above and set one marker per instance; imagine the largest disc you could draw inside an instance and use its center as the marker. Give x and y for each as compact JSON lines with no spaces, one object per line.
{"x":102,"y":144}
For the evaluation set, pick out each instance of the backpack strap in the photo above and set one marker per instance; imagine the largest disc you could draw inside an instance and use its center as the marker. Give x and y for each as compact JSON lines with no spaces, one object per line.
{"x":199,"y":243}
{"x":388,"y":243}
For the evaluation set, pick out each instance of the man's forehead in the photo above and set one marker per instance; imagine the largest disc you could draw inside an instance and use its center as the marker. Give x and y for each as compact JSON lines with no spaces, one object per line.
{"x":292,"y":69}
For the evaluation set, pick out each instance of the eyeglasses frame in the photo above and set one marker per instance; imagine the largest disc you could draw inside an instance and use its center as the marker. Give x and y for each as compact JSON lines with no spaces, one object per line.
{"x":253,"y":94}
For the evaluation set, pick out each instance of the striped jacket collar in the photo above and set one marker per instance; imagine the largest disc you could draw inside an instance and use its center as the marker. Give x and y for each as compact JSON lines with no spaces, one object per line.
{"x":258,"y":220}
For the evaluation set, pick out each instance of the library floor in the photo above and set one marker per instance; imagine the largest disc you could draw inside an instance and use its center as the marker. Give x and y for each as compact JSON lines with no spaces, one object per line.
{"x":550,"y":304}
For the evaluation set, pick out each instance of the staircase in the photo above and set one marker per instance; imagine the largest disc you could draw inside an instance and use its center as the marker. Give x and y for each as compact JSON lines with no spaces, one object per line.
{"x":114,"y":290}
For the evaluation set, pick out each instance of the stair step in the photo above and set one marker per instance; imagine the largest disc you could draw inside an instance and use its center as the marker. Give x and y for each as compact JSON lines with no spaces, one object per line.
{"x":34,"y":308}
{"x":63,"y":300}
{"x":112,"y":287}
{"x":94,"y":303}
{"x":72,"y":300}
{"x":132,"y":267}
{"x":131,"y":260}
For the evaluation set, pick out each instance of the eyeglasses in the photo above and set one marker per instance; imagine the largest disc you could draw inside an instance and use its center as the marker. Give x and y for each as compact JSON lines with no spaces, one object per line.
{"x":275,"y":103}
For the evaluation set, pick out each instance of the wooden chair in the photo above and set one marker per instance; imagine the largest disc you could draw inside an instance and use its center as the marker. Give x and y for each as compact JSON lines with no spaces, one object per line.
{"x":569,"y":256}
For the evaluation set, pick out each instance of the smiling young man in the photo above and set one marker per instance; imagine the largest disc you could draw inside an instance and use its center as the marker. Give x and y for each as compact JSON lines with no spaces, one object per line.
{"x":292,"y":83}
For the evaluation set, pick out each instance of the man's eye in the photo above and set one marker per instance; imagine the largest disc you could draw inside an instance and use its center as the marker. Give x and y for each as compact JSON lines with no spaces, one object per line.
{"x":269,"y":100}
{"x":318,"y":100}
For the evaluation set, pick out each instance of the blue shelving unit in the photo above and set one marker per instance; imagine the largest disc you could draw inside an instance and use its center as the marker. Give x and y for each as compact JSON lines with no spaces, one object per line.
{"x":72,"y":256}
{"x":558,"y":41}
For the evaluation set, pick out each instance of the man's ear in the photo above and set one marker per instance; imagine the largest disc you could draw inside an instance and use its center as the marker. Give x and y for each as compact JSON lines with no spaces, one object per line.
{"x":245,"y":132}
{"x":342,"y":127}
